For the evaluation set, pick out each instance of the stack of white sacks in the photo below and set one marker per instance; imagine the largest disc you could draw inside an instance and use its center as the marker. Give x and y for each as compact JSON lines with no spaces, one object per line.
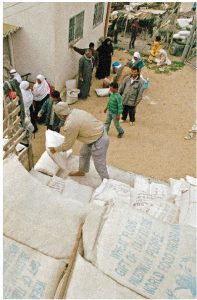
{"x":138,"y":237}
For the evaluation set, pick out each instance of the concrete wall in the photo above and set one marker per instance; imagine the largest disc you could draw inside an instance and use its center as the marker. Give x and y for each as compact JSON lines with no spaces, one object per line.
{"x":41,"y":46}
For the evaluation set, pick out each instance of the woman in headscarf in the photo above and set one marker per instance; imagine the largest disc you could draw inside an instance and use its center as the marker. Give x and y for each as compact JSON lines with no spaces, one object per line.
{"x":162,"y":58}
{"x":105,"y":52}
{"x":28,"y":102}
{"x":137,"y":61}
{"x":41,"y":93}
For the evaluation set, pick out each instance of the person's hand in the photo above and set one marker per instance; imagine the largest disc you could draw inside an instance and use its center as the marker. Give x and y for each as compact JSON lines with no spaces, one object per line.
{"x":53,"y":150}
{"x":81,"y":78}
{"x":39,"y":115}
{"x":105,"y":110}
{"x":118,"y":117}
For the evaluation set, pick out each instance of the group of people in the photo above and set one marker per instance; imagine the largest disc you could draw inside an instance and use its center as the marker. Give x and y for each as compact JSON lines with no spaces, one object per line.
{"x":100,"y":59}
{"x":38,"y":101}
{"x":125,"y":95}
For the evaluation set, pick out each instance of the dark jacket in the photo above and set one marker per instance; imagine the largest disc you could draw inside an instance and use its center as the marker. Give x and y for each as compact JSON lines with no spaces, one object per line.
{"x":46,"y":111}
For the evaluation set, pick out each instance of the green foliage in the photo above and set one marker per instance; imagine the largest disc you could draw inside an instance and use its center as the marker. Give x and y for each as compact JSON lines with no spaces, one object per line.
{"x":175,"y":66}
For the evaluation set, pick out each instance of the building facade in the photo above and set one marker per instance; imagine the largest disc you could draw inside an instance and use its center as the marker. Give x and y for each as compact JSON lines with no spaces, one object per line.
{"x":41,"y":46}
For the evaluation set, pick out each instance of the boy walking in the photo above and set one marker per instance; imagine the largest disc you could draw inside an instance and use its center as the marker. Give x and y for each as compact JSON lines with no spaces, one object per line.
{"x":115,"y":108}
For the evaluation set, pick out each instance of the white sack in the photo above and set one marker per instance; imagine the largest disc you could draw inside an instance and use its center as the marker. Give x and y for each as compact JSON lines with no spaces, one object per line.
{"x":46,"y":165}
{"x":160,"y":190}
{"x":112,"y":190}
{"x":76,"y":191}
{"x":28,"y":273}
{"x":102,"y":92}
{"x":57,"y":184}
{"x":164,"y":211}
{"x":87,"y":282}
{"x":142,"y":183}
{"x":54,"y":139}
{"x":155,"y":259}
{"x":41,"y":177}
{"x":37,"y":215}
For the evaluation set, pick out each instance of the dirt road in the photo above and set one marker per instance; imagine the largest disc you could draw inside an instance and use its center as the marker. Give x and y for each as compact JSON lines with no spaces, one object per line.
{"x":155,"y":146}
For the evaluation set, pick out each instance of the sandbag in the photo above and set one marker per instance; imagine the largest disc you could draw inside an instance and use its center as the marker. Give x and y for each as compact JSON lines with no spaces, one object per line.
{"x":46,"y":165}
{"x":28,"y":273}
{"x":112,"y":190}
{"x":155,"y":259}
{"x":87,"y":282}
{"x":37,"y":215}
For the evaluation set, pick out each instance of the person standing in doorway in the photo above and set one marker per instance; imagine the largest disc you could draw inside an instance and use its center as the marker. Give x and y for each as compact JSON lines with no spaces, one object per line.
{"x":84,"y":127}
{"x":114,"y":108}
{"x":134,"y":31}
{"x":131,"y":90}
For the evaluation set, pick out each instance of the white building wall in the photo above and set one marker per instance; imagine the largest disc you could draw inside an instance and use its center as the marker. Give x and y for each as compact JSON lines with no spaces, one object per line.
{"x":34,"y":43}
{"x":41,"y":46}
{"x":67,"y":59}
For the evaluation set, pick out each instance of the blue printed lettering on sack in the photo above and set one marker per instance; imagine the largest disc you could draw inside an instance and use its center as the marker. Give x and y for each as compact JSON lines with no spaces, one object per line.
{"x":38,"y":290}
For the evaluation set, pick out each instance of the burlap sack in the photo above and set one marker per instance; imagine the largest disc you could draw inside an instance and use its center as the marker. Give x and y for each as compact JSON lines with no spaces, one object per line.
{"x":155,"y":259}
{"x":87,"y":282}
{"x":28,"y":273}
{"x":37,"y":215}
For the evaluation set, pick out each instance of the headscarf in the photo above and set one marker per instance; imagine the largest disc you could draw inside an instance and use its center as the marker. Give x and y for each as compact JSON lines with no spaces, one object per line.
{"x":16,"y":75}
{"x":40,"y":90}
{"x":105,"y":49}
{"x":62,"y":109}
{"x":27,"y":95}
{"x":136,"y":54}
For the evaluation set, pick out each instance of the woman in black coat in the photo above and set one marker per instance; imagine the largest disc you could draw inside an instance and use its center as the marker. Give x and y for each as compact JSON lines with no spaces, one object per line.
{"x":105,"y":52}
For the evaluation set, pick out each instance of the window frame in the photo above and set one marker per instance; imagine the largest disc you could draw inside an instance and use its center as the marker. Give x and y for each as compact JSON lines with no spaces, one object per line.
{"x":77,"y":27}
{"x":98,"y":22}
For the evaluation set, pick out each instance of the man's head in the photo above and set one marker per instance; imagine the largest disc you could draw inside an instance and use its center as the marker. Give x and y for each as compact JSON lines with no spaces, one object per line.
{"x":88,"y":53}
{"x":91,"y":46}
{"x":113,"y":87}
{"x":62,"y":110}
{"x":134,"y":72}
{"x":55,"y":95}
{"x":158,"y":38}
{"x":12,"y":73}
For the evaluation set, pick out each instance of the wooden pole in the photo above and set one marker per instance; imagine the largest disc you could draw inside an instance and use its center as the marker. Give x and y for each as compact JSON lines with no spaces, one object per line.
{"x":107,"y":19}
{"x":193,"y":40}
{"x":189,"y":40}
